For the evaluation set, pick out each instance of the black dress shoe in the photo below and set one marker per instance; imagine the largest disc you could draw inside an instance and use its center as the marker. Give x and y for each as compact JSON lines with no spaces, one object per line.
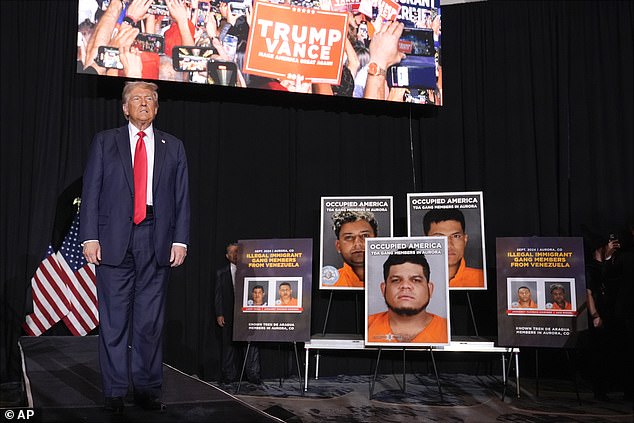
{"x":114,"y":404}
{"x":149,"y":402}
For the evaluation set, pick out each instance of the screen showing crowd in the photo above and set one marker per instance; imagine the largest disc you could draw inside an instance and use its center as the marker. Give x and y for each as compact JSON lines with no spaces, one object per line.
{"x":376,"y":49}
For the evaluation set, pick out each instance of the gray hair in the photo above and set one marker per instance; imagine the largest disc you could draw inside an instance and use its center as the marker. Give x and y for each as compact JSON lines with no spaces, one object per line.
{"x":130,"y":85}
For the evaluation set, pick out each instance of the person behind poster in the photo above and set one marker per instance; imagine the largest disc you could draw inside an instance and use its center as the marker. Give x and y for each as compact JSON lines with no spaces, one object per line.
{"x":524,"y":298}
{"x":407,"y":290}
{"x":351,"y":229}
{"x":451,"y":223}
{"x":609,"y":276}
{"x":258,"y":295}
{"x":224,"y":299}
{"x":558,"y":297}
{"x":285,"y":295}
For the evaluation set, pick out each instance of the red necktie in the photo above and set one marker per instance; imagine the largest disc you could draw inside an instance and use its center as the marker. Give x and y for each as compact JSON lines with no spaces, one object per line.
{"x":140,"y":180}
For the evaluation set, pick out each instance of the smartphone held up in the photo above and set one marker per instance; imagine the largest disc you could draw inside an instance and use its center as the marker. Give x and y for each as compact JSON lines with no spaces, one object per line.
{"x":108,"y":57}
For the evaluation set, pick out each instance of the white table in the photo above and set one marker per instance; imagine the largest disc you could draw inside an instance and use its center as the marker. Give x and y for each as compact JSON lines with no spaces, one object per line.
{"x":459,"y":344}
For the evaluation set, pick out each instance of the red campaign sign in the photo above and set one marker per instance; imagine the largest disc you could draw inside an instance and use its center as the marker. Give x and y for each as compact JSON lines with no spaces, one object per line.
{"x":290,"y":42}
{"x":387,"y":9}
{"x":405,"y":46}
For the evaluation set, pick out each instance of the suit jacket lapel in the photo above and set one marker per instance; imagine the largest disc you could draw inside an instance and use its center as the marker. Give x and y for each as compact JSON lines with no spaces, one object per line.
{"x":160,"y":148}
{"x":123,"y":145}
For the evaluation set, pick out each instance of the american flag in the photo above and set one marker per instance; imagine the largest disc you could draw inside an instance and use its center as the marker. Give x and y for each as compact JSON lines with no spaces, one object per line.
{"x":64,"y":288}
{"x":50,"y":295}
{"x":82,"y":289}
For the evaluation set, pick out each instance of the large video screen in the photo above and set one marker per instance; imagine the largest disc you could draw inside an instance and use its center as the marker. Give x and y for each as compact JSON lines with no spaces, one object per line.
{"x":386,"y":50}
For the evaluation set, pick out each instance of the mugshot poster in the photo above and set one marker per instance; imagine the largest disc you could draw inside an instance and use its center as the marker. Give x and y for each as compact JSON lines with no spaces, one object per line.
{"x":407,"y":307}
{"x":273,"y":290}
{"x":345,"y":223}
{"x":460,"y":217}
{"x":541,"y":291}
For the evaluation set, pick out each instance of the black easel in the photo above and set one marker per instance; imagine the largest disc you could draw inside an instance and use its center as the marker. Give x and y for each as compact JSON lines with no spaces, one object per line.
{"x":356,"y":312}
{"x":475,"y":327}
{"x":507,"y":375}
{"x":299,"y":370}
{"x":404,"y":389}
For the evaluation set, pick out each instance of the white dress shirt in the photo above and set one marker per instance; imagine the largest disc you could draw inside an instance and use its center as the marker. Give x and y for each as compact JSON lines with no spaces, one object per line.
{"x":149,"y":149}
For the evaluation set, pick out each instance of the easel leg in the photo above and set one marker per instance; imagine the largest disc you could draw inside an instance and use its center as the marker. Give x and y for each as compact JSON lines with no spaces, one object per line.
{"x":299,"y":370}
{"x":517,"y":372}
{"x":433,"y":361}
{"x":506,"y":372}
{"x":279,"y":353}
{"x":244,"y":364}
{"x":307,"y":357}
{"x":376,"y":369}
{"x":404,"y":379}
{"x":536,"y":372}
{"x":323,"y":332}
{"x":356,"y":312}
{"x":475,"y":327}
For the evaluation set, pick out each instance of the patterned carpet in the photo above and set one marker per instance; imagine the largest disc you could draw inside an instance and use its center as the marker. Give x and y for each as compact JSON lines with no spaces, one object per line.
{"x":63,"y":384}
{"x":465,"y":398}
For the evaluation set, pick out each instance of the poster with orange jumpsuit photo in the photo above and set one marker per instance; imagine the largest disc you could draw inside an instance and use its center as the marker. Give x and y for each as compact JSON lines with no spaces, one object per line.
{"x":273,"y":290}
{"x":345,"y":224}
{"x":406,"y":295}
{"x":460,"y":217}
{"x":541,"y":287}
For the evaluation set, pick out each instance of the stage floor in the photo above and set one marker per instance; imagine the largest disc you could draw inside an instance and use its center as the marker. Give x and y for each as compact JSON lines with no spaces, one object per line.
{"x":63,"y":384}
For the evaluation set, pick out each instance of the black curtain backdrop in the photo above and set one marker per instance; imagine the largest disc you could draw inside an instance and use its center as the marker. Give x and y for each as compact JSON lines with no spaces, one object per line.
{"x":538,"y":115}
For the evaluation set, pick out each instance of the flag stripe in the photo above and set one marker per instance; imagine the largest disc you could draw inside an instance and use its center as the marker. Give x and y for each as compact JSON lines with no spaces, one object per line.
{"x":53,"y":275}
{"x":45,"y":304}
{"x":73,"y":325}
{"x":82,"y":291}
{"x":33,"y":326}
{"x":78,"y":305}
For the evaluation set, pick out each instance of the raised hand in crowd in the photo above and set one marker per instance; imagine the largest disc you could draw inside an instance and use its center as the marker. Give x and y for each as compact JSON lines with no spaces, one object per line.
{"x":150,"y":24}
{"x":383,"y":53}
{"x":220,"y":48}
{"x":102,"y":34}
{"x":130,"y":57}
{"x":225,"y":11}
{"x":611,"y":248}
{"x":211,"y":26}
{"x":138,"y":9}
{"x":180,"y":15}
{"x":296,"y":85}
{"x":234,"y":24}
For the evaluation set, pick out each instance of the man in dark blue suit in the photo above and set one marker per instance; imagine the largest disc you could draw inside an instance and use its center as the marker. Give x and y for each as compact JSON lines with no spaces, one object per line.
{"x":134,"y":228}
